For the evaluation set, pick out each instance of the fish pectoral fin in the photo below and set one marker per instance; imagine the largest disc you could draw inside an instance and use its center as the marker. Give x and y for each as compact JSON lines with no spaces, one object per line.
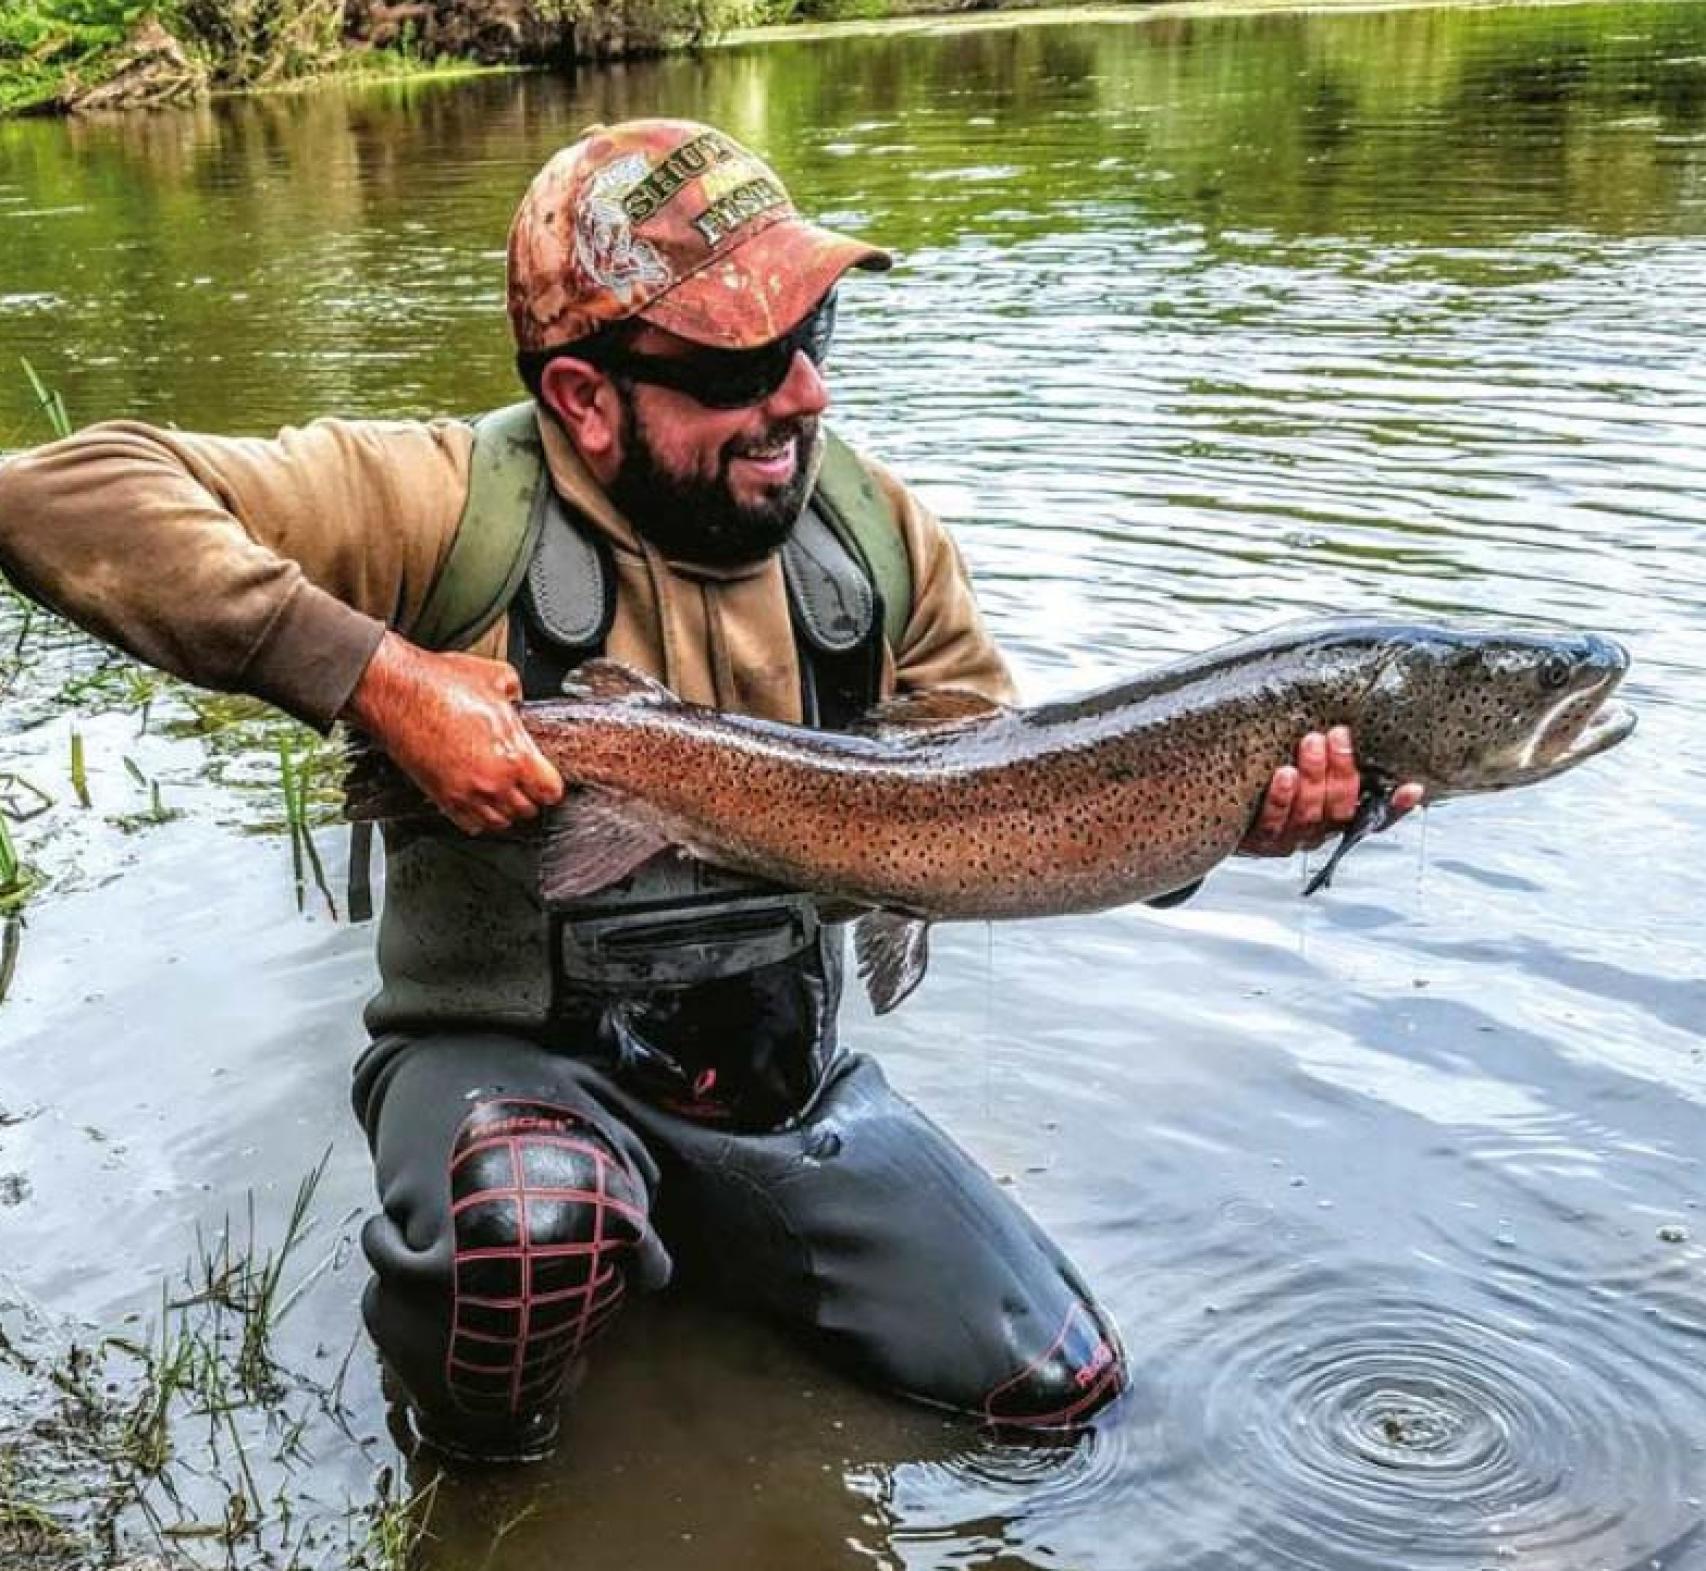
{"x":593,"y":839}
{"x":892,"y":952}
{"x":609,"y":681}
{"x":1374,"y":813}
{"x":929,"y":713}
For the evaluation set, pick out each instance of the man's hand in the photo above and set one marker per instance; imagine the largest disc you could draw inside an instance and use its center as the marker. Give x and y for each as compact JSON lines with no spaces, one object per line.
{"x":450,"y":722}
{"x":1308,"y":803}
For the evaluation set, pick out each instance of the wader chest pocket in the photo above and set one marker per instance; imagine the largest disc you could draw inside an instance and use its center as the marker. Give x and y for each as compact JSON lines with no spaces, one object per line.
{"x":684,"y":945}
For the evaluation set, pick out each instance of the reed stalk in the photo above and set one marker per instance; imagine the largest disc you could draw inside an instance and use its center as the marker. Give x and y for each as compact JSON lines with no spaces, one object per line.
{"x":296,"y":776}
{"x":51,"y":400}
{"x":79,"y":770}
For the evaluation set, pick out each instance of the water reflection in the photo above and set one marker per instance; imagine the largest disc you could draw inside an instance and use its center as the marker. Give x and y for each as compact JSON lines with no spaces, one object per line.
{"x":1202,"y":324}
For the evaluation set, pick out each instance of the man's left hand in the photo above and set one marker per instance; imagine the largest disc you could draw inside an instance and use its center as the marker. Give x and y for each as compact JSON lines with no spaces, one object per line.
{"x":1309,"y":802}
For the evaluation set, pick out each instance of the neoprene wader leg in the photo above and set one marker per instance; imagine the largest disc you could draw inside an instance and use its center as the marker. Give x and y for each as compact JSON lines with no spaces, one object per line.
{"x":514,"y":1220}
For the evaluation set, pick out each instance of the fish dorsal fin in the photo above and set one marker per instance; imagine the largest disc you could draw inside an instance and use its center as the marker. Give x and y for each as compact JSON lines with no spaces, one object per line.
{"x":927,"y":714}
{"x":609,"y":681}
{"x":892,"y":951}
{"x":593,"y":839}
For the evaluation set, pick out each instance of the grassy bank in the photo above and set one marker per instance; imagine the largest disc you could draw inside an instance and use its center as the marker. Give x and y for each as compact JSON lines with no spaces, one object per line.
{"x":96,"y":54}
{"x":47,"y":44}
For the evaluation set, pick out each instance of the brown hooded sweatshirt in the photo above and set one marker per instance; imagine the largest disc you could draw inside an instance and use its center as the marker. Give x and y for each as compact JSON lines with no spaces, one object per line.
{"x":274,"y":567}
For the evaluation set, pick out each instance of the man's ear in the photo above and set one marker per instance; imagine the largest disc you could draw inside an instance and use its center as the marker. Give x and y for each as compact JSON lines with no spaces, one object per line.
{"x":587,"y":403}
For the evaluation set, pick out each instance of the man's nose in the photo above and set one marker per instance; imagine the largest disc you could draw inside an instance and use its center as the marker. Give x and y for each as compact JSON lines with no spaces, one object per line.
{"x":803,"y":391}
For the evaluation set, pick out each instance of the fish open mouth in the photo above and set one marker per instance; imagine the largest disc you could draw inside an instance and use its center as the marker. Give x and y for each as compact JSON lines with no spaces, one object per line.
{"x":1606,"y":727}
{"x":1584,"y":724}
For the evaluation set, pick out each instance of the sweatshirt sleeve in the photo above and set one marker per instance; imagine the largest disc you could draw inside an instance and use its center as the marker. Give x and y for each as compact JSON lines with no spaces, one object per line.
{"x":271,"y":567}
{"x":946,"y":643}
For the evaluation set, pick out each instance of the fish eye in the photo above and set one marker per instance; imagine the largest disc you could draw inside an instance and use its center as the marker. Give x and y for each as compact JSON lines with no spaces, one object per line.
{"x":1554,"y":671}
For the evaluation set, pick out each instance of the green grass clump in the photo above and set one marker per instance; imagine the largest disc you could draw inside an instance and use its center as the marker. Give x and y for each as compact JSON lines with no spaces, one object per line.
{"x":43,"y":43}
{"x":190,"y":1443}
{"x":19,"y":800}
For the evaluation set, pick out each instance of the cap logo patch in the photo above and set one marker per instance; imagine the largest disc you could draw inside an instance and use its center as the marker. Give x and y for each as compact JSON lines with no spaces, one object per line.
{"x":690,"y":159}
{"x":606,"y":249}
{"x":740,"y":206}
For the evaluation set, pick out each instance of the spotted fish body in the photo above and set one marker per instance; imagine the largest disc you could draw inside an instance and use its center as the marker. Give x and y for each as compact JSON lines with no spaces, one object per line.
{"x":945,"y":807}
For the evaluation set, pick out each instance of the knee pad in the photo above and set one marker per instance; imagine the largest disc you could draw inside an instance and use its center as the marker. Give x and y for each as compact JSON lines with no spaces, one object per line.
{"x":1080,"y":1372}
{"x":545,"y":1214}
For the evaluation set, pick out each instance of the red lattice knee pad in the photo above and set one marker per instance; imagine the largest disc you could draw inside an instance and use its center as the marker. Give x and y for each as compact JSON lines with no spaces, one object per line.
{"x":544,"y":1213}
{"x":1082,"y":1370}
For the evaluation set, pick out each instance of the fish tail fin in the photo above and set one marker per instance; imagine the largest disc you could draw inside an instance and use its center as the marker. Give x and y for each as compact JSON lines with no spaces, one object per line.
{"x":893,"y":952}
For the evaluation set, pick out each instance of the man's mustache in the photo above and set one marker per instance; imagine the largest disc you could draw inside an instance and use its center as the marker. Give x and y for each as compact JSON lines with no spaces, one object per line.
{"x":803,"y":427}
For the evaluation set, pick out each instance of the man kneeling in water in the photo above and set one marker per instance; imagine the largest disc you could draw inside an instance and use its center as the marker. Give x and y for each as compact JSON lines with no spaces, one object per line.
{"x":568,"y":1104}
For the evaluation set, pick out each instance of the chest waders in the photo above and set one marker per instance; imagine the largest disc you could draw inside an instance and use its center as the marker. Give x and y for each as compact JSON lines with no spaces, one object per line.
{"x":716,"y":993}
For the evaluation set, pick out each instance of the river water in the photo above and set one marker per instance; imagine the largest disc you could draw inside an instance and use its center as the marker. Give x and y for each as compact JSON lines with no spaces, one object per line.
{"x":1201,"y":323}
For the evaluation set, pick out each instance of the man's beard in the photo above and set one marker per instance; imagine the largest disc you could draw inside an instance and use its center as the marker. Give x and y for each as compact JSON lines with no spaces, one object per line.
{"x":693,"y":519}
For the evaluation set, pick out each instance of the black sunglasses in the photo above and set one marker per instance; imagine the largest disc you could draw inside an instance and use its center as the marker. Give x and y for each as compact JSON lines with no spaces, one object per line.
{"x":722,"y":378}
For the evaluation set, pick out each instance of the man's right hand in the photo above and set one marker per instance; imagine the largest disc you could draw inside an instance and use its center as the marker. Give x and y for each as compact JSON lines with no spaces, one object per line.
{"x":449,"y":721}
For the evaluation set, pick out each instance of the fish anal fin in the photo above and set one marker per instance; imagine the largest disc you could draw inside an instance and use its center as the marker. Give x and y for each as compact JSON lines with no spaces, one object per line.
{"x":892,"y":951}
{"x":924,"y":713}
{"x":610,"y":681}
{"x":831,"y":908}
{"x":593,"y":839}
{"x":1374,"y":813}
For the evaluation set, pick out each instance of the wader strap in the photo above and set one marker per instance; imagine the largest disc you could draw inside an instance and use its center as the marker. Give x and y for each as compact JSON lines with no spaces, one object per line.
{"x":860,"y":513}
{"x":359,"y":890}
{"x":831,"y":593}
{"x":501,"y":520}
{"x":571,"y":582}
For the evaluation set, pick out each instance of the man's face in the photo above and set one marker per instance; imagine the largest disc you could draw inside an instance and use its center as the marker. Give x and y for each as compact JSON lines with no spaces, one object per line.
{"x":715,"y":486}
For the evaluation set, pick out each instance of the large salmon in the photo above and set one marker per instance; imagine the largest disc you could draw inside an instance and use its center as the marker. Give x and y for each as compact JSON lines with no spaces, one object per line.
{"x":943,"y":806}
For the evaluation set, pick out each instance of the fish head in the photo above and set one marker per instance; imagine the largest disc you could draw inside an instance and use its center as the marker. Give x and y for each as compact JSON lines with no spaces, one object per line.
{"x":1465,"y":711}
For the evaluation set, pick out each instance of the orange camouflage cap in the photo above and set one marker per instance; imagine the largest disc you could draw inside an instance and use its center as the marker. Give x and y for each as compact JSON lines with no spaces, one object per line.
{"x":674,"y":222}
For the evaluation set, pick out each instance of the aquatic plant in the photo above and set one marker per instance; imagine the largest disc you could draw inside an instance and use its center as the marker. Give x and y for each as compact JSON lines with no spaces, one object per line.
{"x":51,"y":400}
{"x":24,"y":609}
{"x":18,"y":881}
{"x":186,"y":1441}
{"x":250,"y":1285}
{"x":156,"y":812}
{"x":397,"y":1522}
{"x":79,"y":771}
{"x":296,"y":772}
